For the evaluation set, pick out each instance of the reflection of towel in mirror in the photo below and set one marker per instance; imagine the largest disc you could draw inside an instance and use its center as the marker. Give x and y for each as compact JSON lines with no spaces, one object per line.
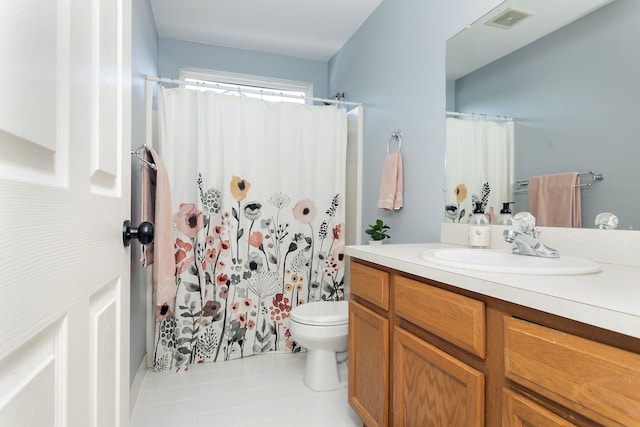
{"x":391,"y":183}
{"x":555,"y":200}
{"x":156,"y":207}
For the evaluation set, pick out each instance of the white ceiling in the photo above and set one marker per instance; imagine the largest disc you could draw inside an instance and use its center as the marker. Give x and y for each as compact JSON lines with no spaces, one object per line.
{"x":309,"y":29}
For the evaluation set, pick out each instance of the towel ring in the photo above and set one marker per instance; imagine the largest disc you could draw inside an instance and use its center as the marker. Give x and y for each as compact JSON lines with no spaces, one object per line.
{"x":397,"y":135}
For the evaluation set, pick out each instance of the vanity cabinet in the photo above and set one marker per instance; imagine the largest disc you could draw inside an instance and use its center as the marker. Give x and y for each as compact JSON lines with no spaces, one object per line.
{"x":369,"y":332}
{"x":424,"y":353}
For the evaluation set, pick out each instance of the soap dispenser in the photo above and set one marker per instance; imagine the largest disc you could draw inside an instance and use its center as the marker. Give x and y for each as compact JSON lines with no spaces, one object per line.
{"x":505,"y":217}
{"x":479,"y":229}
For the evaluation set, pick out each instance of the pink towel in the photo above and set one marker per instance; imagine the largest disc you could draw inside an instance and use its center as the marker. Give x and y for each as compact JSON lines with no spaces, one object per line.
{"x":391,"y":183}
{"x":156,"y":207}
{"x":555,"y":200}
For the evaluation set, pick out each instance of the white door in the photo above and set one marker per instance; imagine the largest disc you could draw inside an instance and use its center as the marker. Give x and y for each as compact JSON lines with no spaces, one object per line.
{"x":64,"y":193}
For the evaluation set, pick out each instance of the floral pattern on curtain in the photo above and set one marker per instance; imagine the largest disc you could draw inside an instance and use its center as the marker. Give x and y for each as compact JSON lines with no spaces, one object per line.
{"x":247,"y":251}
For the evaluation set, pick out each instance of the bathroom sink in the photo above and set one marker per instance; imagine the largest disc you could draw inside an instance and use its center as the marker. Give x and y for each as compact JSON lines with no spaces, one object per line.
{"x":501,"y":261}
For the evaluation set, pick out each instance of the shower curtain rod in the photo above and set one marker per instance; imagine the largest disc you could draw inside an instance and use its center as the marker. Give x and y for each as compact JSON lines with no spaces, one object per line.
{"x":258,"y":92}
{"x":479,"y":115}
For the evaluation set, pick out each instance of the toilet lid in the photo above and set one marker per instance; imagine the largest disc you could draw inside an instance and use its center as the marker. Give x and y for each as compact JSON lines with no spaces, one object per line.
{"x":322,"y":313}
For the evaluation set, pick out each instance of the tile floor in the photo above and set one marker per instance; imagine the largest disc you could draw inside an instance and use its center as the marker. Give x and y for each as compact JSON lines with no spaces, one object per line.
{"x":258,"y":391}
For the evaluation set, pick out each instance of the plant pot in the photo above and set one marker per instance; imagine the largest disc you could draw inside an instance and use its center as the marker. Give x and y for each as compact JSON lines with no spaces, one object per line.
{"x":375,"y":242}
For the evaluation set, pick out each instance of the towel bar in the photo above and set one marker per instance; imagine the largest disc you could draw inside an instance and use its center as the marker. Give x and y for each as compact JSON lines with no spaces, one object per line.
{"x":137,"y":154}
{"x":518,"y":184}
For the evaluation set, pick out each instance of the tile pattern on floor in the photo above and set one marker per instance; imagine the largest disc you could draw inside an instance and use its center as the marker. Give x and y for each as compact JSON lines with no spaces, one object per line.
{"x":258,"y":391}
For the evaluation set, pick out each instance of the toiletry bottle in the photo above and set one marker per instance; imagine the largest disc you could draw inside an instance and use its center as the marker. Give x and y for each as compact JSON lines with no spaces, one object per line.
{"x":479,"y":229}
{"x":505,"y":217}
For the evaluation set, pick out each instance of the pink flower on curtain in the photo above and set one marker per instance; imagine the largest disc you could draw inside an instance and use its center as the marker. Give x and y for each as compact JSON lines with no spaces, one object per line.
{"x":289,"y":340}
{"x":242,"y":319}
{"x":338,"y":232}
{"x":216,"y":231}
{"x":255,"y":239}
{"x":305,"y":211}
{"x":189,"y":220}
{"x":338,"y":256}
{"x":183,"y":256}
{"x":222,"y":279}
{"x":211,"y":256}
{"x":330,"y":266}
{"x":224,"y":248}
{"x":234,"y":307}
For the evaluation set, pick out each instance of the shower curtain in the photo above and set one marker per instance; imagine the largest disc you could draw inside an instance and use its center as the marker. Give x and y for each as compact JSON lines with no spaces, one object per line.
{"x":258,"y":193}
{"x":479,"y":166}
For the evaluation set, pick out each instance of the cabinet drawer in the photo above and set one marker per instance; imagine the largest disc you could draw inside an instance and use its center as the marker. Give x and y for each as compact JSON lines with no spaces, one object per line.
{"x":593,"y":379}
{"x":519,"y":411}
{"x":370,"y":284}
{"x":456,"y":318}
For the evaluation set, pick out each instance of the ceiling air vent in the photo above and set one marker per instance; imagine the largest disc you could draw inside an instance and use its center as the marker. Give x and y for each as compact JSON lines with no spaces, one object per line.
{"x":509,"y":18}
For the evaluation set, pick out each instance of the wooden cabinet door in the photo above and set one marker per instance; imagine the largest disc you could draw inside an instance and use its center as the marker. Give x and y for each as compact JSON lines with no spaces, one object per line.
{"x":518,"y":411}
{"x":432,"y":388}
{"x":369,"y":365}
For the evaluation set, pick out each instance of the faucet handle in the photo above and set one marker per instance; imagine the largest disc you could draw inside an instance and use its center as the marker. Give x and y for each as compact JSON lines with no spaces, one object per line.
{"x":525,"y":223}
{"x":606,"y":221}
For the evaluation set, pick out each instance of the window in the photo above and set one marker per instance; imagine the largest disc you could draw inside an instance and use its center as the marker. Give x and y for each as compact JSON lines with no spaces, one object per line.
{"x":246,"y":85}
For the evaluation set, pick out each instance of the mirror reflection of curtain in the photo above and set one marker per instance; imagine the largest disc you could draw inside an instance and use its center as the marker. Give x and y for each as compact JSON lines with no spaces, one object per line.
{"x":478,"y":152}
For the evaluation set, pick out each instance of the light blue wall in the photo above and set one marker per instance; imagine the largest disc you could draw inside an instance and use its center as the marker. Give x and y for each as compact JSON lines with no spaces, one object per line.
{"x":176,"y":54}
{"x":144,"y":52}
{"x":574,"y":95}
{"x":395,"y":65}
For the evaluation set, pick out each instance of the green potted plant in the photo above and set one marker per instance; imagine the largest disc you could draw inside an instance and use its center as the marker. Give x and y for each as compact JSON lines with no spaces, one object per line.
{"x":378,"y":232}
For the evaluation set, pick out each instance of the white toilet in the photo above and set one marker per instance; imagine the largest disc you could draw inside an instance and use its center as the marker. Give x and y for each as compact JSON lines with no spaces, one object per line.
{"x":322,"y":328}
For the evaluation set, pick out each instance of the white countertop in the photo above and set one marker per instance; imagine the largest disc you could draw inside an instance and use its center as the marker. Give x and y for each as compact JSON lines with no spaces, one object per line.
{"x":609,"y":299}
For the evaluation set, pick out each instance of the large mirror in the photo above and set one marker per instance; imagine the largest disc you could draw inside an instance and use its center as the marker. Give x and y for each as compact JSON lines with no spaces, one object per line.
{"x":568,"y":75}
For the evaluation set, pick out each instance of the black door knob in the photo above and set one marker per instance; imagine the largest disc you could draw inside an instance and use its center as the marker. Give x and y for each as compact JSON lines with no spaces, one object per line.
{"x":143,"y":232}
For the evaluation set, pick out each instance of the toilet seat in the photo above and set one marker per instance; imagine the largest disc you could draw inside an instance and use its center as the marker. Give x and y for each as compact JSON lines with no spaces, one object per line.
{"x":321,"y":313}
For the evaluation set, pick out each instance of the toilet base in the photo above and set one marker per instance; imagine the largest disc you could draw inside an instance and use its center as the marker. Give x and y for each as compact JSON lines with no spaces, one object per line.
{"x":321,"y":371}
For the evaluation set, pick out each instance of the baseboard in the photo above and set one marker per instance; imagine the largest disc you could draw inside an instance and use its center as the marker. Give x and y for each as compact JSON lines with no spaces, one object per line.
{"x":134,"y":391}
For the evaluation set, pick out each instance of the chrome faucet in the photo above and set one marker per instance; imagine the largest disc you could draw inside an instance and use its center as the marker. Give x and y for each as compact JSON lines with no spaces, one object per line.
{"x":527,"y":244}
